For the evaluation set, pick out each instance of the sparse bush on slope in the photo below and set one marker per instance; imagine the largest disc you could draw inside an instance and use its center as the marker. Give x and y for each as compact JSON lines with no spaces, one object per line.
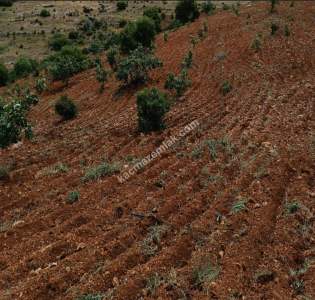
{"x":66,"y":108}
{"x":135,"y":67}
{"x":68,"y":62}
{"x":24,"y":66}
{"x":152,"y":105}
{"x":186,"y":11}
{"x":58,"y":41}
{"x":155,"y":14}
{"x":13,"y":119}
{"x":141,"y":32}
{"x":4,"y":75}
{"x":178,"y":83}
{"x":122,"y":5}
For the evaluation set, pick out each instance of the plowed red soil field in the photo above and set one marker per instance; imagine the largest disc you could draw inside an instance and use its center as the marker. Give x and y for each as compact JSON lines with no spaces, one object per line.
{"x":226,"y":213}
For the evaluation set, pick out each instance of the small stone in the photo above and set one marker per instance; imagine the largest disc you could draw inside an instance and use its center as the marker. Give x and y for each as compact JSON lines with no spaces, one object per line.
{"x":221,"y":253}
{"x":115,"y":281}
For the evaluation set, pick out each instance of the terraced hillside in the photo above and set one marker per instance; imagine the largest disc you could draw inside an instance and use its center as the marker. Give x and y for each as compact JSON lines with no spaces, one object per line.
{"x":226,"y":213}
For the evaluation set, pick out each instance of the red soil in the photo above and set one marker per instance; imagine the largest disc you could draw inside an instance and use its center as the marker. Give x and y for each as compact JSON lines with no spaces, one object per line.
{"x":54,"y":250}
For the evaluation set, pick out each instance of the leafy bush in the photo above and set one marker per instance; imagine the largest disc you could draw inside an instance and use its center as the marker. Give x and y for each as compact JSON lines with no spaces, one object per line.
{"x":155,"y":14}
{"x":58,"y":41}
{"x":66,"y":108}
{"x":142,"y":32}
{"x":286,"y":33}
{"x":112,"y":57}
{"x":4,"y":173}
{"x":127,"y":38}
{"x":44,"y":13}
{"x":111,"y":39}
{"x":256,"y":43}
{"x":188,"y":59}
{"x":4,"y":75}
{"x":6,"y":3}
{"x":122,"y":23}
{"x":135,"y":67}
{"x":24,"y":66}
{"x":208,"y":7}
{"x":274,"y":28}
{"x":101,"y":76}
{"x":152,"y":105}
{"x":13,"y":121}
{"x":73,"y":35}
{"x":226,"y":87}
{"x":40,"y":85}
{"x":122,"y":5}
{"x":104,"y":169}
{"x":68,"y":62}
{"x":186,"y":11}
{"x":178,"y":83}
{"x":96,"y":46}
{"x":73,"y":197}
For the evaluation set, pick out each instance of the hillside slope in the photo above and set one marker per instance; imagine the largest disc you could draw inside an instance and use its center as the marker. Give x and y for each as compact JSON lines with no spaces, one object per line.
{"x":232,"y":201}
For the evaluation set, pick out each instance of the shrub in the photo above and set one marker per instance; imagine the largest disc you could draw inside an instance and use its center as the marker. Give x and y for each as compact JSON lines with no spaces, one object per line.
{"x":152,"y":105}
{"x":73,"y":197}
{"x":226,"y":87}
{"x":112,"y":57}
{"x":102,"y":170}
{"x":135,"y":67}
{"x":96,"y":47}
{"x":4,"y":75}
{"x":122,"y":23}
{"x":111,"y":39}
{"x":188,"y":59}
{"x":142,"y":32}
{"x":101,"y":76}
{"x":44,"y":13}
{"x":186,"y":11}
{"x":225,"y":6}
{"x":13,"y":121}
{"x":155,"y":14}
{"x":274,"y":28}
{"x":127,"y":38}
{"x":208,"y":7}
{"x":286,"y":32}
{"x":58,"y":41}
{"x":256,"y":43}
{"x":178,"y":83}
{"x":6,"y":3}
{"x":66,"y":108}
{"x":68,"y":62}
{"x":73,"y":35}
{"x":122,"y":5}
{"x":273,"y":5}
{"x":40,"y":85}
{"x":24,"y":66}
{"x":4,"y":173}
{"x":145,"y":32}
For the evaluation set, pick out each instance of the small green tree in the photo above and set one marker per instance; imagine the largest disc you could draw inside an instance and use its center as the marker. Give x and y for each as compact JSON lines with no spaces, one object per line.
{"x":152,"y":105}
{"x":188,"y":59}
{"x":274,"y":28}
{"x":44,"y":13}
{"x":58,"y":41}
{"x":154,"y":13}
{"x":208,"y":7}
{"x":25,"y":66}
{"x":135,"y":67}
{"x":4,"y":75}
{"x":101,"y":76}
{"x":273,"y":5}
{"x":13,"y":118}
{"x":178,"y":83}
{"x":66,"y":108}
{"x":113,"y":57}
{"x":122,"y":5}
{"x":186,"y":11}
{"x":41,"y":85}
{"x":66,"y":63}
{"x":141,"y":32}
